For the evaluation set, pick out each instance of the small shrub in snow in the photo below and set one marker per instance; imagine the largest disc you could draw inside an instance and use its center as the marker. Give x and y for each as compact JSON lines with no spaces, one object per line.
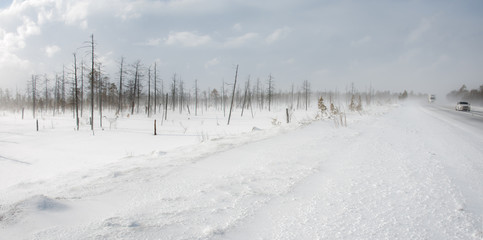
{"x":317,"y":116}
{"x":204,"y":136}
{"x":275,"y":122}
{"x":333,"y":110}
{"x":359,"y":104}
{"x":340,"y":120}
{"x":353,"y":106}
{"x":321,"y":105}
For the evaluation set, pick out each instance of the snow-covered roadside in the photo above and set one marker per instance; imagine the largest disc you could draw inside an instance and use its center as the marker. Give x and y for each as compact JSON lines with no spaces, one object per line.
{"x":102,"y":169}
{"x":385,"y":176}
{"x":56,"y":150}
{"x":406,"y":176}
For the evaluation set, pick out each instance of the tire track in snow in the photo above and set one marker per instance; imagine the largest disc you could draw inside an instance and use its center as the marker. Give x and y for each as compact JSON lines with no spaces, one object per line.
{"x":13,"y":160}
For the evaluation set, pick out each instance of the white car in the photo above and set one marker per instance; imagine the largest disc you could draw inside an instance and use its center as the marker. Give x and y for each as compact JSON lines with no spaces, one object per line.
{"x":463,"y":106}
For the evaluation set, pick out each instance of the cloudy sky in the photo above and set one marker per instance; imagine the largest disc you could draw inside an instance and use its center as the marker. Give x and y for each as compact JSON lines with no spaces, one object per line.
{"x":425,"y":46}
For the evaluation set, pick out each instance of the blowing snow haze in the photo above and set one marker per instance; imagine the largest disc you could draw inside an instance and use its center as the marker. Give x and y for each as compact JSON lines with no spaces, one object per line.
{"x":424,"y":46}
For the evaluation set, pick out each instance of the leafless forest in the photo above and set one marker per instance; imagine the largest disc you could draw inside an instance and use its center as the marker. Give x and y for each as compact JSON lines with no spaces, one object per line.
{"x":83,"y":89}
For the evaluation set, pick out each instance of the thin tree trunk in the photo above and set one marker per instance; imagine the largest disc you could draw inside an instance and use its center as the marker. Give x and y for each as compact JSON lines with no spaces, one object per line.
{"x":56,"y":95}
{"x":166,"y":108}
{"x":100,"y":97}
{"x":149,"y":91}
{"x":76,"y":100}
{"x":233,"y":95}
{"x":82,"y":88}
{"x":245,"y":96}
{"x":138,"y":92}
{"x":155,"y":89}
{"x":223,"y":97}
{"x":119,"y":110}
{"x":63,"y":89}
{"x":196,"y":97}
{"x":92,"y":85}
{"x":34,"y":86}
{"x":46,"y":93}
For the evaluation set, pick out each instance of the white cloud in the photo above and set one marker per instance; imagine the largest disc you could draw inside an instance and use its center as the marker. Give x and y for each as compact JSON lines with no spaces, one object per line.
{"x":192,"y":7}
{"x":187,"y":39}
{"x":51,"y":50}
{"x":410,"y":55}
{"x":289,"y":61}
{"x":69,"y":12}
{"x":362,"y":41}
{"x":150,"y":42}
{"x":241,"y":40}
{"x":319,"y":74}
{"x":237,"y":27}
{"x":45,"y":15}
{"x":442,"y":60}
{"x":12,"y":41}
{"x":417,"y":33}
{"x":212,"y":62}
{"x":129,"y":11}
{"x":11,"y":61}
{"x":28,"y":28}
{"x":77,"y":13}
{"x":13,"y":69}
{"x":278,"y":34}
{"x":153,"y":42}
{"x":83,"y":24}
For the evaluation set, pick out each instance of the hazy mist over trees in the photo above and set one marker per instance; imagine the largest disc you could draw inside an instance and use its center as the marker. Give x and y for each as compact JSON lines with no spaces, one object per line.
{"x":137,"y":89}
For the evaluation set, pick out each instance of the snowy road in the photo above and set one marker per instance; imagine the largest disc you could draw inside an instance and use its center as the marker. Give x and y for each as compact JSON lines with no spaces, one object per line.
{"x":395,"y":179}
{"x":412,"y":173}
{"x":474,"y":117}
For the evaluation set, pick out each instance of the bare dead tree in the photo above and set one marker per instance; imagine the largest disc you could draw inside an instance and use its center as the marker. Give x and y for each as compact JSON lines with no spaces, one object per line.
{"x":166,"y":108}
{"x":136,"y":91}
{"x":121,"y":72}
{"x":92,"y":82}
{"x":270,"y":90}
{"x":155,"y":89}
{"x":82,"y":89}
{"x":173,"y":91}
{"x":162,"y":95}
{"x":56,"y":95}
{"x":46,"y":94}
{"x":76,"y":99}
{"x":247,"y":87}
{"x":233,"y":95}
{"x":196,"y":97}
{"x":149,"y":92}
{"x":100,"y":92}
{"x":34,"y":90}
{"x":306,"y":89}
{"x":181,"y":95}
{"x":63,"y":90}
{"x":223,"y":97}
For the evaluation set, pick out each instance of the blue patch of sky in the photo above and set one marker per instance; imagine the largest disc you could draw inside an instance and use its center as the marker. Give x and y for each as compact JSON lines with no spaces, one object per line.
{"x":5,"y":3}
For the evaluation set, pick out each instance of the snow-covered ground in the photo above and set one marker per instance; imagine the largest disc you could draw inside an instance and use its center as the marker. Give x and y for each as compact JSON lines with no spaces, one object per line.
{"x":406,"y":171}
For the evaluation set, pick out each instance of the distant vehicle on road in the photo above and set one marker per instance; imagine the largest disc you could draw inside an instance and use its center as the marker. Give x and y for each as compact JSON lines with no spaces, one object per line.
{"x":463,"y":106}
{"x":431,"y":98}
